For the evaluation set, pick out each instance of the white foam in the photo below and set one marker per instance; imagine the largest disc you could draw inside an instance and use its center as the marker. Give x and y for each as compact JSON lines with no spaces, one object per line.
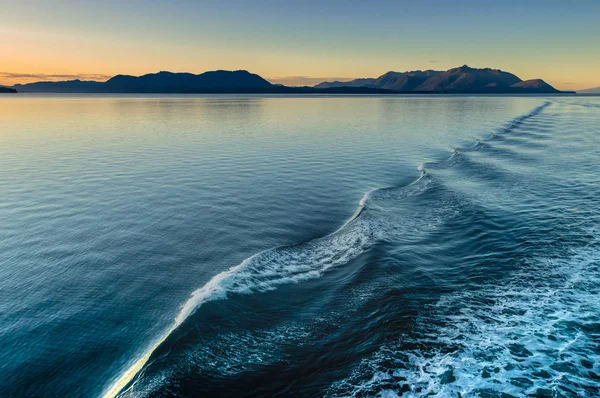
{"x":267,"y":270}
{"x":364,"y":199}
{"x":536,"y":334}
{"x":293,"y":264}
{"x":233,"y":352}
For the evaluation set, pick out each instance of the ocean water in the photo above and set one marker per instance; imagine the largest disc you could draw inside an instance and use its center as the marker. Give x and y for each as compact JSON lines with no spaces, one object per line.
{"x":436,"y":246}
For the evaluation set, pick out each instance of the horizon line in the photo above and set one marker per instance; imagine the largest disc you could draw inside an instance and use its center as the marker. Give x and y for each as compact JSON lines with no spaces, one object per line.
{"x":289,"y":80}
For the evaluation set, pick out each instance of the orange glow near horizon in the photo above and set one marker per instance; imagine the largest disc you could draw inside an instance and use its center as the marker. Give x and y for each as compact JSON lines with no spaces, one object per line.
{"x":97,"y":41}
{"x":24,"y":76}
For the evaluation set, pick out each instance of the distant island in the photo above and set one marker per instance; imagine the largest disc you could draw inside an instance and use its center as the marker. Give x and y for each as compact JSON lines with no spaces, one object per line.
{"x":595,"y":90}
{"x":461,"y":80}
{"x":4,"y":90}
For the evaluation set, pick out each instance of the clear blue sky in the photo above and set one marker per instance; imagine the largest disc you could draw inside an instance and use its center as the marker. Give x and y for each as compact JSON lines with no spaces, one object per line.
{"x":300,"y":41}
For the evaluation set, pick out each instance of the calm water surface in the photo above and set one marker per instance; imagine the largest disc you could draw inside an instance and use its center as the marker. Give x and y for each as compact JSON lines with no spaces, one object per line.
{"x":311,"y":246}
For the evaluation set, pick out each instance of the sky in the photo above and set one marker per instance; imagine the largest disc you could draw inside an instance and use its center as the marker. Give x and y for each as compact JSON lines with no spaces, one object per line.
{"x":299,"y":42}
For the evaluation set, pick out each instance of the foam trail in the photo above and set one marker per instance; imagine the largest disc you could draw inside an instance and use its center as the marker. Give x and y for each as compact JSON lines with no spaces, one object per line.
{"x":292,"y":264}
{"x":130,"y":373}
{"x":267,"y":270}
{"x":533,"y":335}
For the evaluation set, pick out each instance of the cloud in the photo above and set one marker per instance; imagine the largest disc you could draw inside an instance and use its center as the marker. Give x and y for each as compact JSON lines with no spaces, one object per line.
{"x":305,"y":80}
{"x":434,"y":62}
{"x":51,"y":77}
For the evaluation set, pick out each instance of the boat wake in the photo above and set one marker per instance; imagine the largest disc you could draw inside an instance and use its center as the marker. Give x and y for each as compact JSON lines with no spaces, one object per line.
{"x":533,"y":336}
{"x":271,"y":268}
{"x":370,"y":224}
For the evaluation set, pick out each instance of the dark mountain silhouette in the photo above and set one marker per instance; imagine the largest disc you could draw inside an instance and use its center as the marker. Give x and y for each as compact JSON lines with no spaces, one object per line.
{"x":68,"y":86}
{"x":162,"y":82}
{"x":407,"y":81}
{"x":167,"y":82}
{"x":595,"y":90}
{"x":7,"y":90}
{"x":457,"y":80}
{"x":463,"y":79}
{"x":225,"y":81}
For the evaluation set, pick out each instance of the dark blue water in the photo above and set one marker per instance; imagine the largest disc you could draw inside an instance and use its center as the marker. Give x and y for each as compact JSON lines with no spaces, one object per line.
{"x":315,"y":246}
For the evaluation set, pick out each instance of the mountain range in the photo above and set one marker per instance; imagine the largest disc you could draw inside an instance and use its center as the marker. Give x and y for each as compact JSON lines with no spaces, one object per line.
{"x":461,"y":80}
{"x":219,"y":81}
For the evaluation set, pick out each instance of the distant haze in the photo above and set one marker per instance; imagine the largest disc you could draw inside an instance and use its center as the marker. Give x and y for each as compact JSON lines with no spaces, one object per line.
{"x":299,"y":42}
{"x":304,"y":80}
